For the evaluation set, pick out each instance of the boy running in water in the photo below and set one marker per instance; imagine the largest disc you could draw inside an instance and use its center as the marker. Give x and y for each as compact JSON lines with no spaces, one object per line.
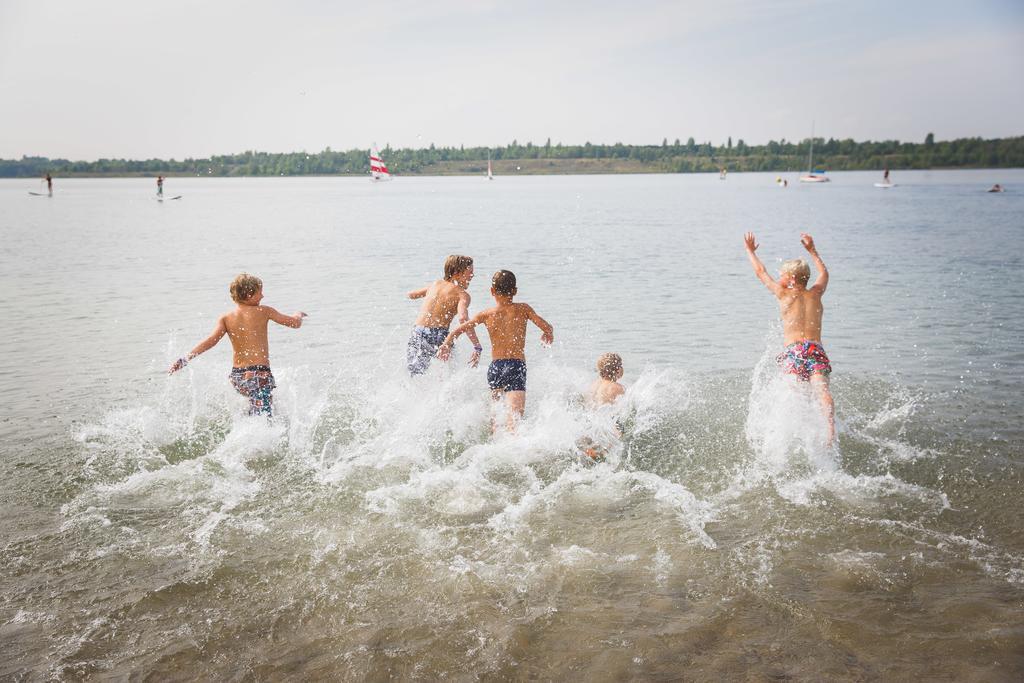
{"x":246,"y":326}
{"x":441,"y":301}
{"x":606,"y":388}
{"x":506,"y":326}
{"x":801,"y":310}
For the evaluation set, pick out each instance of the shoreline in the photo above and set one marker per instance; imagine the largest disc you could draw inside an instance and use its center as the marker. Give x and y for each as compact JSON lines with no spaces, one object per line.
{"x":524,"y":170}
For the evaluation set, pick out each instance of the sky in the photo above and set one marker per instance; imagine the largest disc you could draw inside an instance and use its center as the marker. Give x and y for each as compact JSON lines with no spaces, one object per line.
{"x":130,"y":79}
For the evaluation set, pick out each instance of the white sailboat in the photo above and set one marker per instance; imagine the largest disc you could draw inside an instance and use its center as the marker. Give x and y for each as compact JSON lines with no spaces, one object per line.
{"x":378,"y":171}
{"x":490,"y":175}
{"x":811,"y":176}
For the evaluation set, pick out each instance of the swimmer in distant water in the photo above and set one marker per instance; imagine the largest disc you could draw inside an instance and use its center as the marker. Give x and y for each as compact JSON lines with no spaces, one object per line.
{"x":801,"y":308}
{"x":49,"y":184}
{"x":159,"y":186}
{"x":246,"y":326}
{"x":506,"y":326}
{"x":442,"y":300}
{"x":996,"y":188}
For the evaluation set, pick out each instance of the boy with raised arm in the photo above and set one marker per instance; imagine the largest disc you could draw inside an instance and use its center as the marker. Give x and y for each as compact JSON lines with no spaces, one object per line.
{"x":246,"y":326}
{"x":801,"y":310}
{"x":506,"y":326}
{"x":441,"y":301}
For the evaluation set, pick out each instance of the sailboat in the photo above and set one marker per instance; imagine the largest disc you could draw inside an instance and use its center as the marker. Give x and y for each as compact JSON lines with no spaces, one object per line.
{"x":811,"y":176}
{"x":378,"y":171}
{"x":490,"y":176}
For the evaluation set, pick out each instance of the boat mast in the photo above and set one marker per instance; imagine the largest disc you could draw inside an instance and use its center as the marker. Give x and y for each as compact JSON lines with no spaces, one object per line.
{"x":810,"y":155}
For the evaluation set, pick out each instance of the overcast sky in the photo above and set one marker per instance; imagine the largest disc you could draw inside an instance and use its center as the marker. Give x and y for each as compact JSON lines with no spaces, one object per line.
{"x":124,"y":78}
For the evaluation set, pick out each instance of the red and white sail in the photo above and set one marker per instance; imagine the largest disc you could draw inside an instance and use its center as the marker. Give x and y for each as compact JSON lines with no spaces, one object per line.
{"x":378,"y":171}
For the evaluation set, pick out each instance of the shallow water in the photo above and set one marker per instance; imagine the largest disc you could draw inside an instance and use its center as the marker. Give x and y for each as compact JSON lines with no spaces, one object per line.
{"x":375,"y":529}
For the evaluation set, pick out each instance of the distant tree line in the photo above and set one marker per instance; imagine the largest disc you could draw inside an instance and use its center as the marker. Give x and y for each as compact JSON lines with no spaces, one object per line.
{"x":674,"y":157}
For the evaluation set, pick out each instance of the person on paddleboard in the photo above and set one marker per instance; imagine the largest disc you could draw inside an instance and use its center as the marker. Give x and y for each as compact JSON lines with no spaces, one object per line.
{"x":49,"y":184}
{"x":159,"y":186}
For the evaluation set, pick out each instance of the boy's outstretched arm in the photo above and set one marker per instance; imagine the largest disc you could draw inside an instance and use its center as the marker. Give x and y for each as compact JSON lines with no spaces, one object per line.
{"x":202,"y":347}
{"x":445,"y":350}
{"x":418,"y":293}
{"x":759,"y":270}
{"x":547,"y":336}
{"x":286,"y":320}
{"x":822,"y":282}
{"x":463,"y":317}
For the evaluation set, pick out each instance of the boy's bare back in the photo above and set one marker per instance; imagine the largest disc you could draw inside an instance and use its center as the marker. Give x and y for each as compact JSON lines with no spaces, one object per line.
{"x":603,"y":391}
{"x":246,"y":327}
{"x":506,"y":327}
{"x":441,"y":304}
{"x":801,"y":312}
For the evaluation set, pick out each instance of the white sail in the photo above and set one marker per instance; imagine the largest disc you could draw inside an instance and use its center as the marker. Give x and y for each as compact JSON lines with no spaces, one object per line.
{"x":490,"y":175}
{"x":378,"y":171}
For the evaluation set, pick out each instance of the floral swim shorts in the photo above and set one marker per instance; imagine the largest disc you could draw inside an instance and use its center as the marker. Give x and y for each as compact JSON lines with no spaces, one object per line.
{"x":805,"y":358}
{"x":256,"y":382}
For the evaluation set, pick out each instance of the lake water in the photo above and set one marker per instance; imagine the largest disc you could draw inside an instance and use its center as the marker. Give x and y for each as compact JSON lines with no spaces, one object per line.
{"x":376,"y":530}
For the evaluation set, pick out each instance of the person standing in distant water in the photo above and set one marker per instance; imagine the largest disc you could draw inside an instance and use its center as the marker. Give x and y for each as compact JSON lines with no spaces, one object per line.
{"x":49,"y":184}
{"x":885,"y":176}
{"x":159,"y":186}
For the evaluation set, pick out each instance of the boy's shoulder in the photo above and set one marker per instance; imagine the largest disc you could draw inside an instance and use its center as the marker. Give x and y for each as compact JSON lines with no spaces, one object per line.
{"x":522,"y":306}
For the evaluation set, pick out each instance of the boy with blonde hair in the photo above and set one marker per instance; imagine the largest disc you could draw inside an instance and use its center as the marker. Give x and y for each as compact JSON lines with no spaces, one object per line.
{"x":506,"y":327}
{"x":442,"y":300}
{"x":801,"y":309}
{"x":246,"y":326}
{"x":606,"y":388}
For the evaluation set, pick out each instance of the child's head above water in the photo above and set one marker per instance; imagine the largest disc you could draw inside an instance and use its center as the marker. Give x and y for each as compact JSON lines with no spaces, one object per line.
{"x":609,"y":367}
{"x":504,"y":283}
{"x":244,"y":287}
{"x":795,"y":270}
{"x":456,"y":264}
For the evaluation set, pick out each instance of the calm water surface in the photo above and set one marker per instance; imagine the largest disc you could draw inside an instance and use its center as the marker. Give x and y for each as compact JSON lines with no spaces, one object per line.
{"x":375,"y":529}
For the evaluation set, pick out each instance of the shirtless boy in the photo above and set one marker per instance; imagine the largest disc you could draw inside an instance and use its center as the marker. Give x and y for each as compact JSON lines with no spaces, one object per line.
{"x":801,"y":309}
{"x":246,"y":326}
{"x":441,"y":301}
{"x":606,"y":388}
{"x":604,"y":391}
{"x":506,"y":326}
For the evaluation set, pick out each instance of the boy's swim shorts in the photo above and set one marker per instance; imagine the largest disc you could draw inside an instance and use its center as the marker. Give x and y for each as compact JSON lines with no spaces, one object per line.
{"x":805,"y":358}
{"x":507,"y":374}
{"x":256,"y":382}
{"x":423,"y":345}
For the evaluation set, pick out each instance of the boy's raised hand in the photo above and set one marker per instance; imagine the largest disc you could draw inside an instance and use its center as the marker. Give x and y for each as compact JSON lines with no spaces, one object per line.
{"x":751,"y":242}
{"x":807,"y":241}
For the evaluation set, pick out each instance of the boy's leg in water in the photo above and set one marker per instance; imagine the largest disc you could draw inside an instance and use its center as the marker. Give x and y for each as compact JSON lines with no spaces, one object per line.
{"x":820,"y":383}
{"x":496,"y":396}
{"x":516,"y":404}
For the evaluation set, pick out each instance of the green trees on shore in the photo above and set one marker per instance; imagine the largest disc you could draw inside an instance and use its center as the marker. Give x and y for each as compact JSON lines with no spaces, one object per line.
{"x":691,"y":157}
